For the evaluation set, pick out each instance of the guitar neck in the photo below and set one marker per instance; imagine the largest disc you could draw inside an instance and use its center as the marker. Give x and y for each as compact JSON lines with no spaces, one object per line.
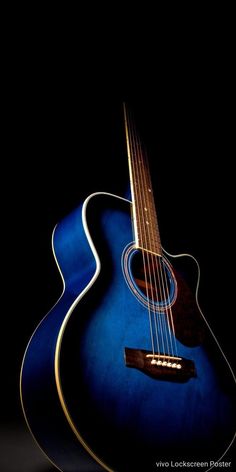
{"x":146,"y":230}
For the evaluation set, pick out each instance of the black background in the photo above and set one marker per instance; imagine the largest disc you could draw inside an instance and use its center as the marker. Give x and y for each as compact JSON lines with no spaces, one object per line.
{"x":63,"y":138}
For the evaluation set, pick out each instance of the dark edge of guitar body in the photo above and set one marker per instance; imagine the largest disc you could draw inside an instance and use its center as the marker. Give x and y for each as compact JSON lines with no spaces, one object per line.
{"x":88,"y":418}
{"x":38,"y":390}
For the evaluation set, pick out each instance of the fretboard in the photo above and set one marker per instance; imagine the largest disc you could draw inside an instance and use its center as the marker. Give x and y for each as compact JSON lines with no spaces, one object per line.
{"x":146,"y":231}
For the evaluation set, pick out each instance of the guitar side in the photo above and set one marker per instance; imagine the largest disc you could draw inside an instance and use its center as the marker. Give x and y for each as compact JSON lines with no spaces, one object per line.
{"x":73,"y":251}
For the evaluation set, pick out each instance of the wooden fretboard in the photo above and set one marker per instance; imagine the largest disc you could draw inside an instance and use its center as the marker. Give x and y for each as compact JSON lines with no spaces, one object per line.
{"x":146,"y":230}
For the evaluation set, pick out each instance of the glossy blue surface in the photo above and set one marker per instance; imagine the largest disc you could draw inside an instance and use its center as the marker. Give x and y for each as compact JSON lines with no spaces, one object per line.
{"x":128,"y":419}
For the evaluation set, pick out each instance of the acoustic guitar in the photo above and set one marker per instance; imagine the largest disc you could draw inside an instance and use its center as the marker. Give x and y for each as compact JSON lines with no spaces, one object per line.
{"x":124,"y":373}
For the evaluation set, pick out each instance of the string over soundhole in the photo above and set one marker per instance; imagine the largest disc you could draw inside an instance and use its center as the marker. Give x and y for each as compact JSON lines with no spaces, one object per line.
{"x":150,"y":278}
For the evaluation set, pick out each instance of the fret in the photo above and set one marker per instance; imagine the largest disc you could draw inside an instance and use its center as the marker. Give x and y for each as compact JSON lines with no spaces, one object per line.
{"x":146,"y":230}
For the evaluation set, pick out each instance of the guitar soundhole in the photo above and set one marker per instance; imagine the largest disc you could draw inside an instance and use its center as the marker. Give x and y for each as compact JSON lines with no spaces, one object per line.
{"x":150,"y":278}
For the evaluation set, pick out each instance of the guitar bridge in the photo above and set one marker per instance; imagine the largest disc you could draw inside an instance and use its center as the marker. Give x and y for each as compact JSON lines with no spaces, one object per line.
{"x":160,"y":366}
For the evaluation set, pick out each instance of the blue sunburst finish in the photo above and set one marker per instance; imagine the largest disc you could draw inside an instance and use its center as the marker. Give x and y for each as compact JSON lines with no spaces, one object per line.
{"x":101,"y":414}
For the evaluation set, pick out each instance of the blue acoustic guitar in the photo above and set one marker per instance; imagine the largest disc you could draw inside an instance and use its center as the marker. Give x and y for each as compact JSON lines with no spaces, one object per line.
{"x":124,"y":373}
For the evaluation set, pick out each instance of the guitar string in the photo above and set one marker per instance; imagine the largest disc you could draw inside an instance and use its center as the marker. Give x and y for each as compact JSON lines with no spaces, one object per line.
{"x":145,"y":264}
{"x":150,"y":257}
{"x":161,"y":270}
{"x":164,"y":285}
{"x":146,"y":255}
{"x":129,"y":131}
{"x":174,"y":349}
{"x":156,"y":261}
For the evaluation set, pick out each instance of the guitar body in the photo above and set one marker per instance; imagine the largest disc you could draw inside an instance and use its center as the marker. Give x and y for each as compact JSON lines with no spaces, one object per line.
{"x":88,"y":408}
